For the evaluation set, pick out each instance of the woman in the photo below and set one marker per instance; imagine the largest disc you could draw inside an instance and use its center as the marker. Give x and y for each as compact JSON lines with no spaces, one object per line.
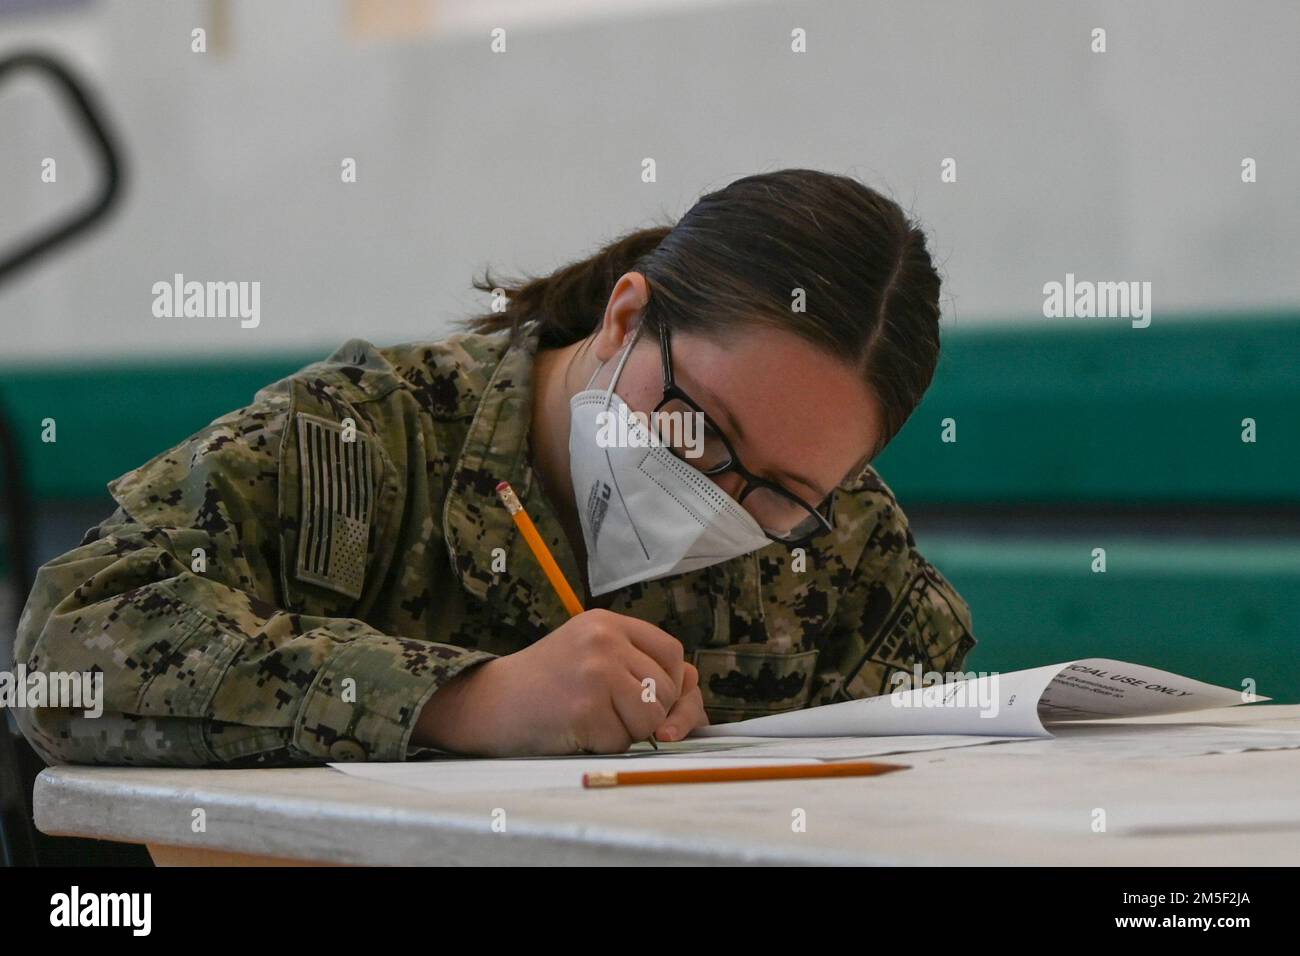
{"x":327,"y":574}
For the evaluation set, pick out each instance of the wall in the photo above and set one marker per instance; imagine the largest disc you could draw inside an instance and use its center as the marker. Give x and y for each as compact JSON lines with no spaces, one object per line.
{"x":1123,"y":165}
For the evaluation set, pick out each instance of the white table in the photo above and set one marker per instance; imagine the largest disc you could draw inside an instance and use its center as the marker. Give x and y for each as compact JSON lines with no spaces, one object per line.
{"x":1005,"y":803}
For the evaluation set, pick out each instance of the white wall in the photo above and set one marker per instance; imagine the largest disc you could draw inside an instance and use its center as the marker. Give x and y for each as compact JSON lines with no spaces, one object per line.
{"x":1117,"y":166}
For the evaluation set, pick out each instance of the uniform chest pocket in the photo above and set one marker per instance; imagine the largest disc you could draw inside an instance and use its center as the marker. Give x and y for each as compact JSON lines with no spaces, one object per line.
{"x":752,"y":680}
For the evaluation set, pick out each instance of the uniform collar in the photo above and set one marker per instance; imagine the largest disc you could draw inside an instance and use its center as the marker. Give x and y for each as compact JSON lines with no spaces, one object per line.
{"x":476,"y":524}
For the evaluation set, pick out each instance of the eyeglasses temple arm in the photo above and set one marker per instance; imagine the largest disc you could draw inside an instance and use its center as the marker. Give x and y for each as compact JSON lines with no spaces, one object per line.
{"x":667,"y":356}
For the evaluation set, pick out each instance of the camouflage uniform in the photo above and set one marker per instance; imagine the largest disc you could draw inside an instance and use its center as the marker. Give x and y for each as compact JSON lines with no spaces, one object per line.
{"x":345,"y":581}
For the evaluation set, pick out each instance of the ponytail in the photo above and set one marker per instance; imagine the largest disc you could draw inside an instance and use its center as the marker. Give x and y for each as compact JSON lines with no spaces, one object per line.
{"x":568,"y":304}
{"x":866,"y":281}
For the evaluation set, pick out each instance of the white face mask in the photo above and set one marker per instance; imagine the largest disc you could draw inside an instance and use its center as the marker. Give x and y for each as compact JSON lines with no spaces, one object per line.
{"x":645,"y":512}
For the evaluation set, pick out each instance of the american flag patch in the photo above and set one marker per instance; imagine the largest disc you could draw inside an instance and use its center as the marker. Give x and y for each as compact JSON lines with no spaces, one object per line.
{"x":337,"y":481}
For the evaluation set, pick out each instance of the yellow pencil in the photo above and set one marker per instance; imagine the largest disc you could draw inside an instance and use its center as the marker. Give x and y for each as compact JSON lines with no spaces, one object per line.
{"x":543,"y":555}
{"x":539,"y":549}
{"x":624,"y":778}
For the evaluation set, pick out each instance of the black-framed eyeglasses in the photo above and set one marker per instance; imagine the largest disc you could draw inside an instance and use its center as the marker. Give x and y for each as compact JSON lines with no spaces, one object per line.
{"x":782,"y":514}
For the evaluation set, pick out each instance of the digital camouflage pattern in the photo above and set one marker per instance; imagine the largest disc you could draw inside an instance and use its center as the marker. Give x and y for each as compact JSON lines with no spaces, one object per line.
{"x":279,"y":588}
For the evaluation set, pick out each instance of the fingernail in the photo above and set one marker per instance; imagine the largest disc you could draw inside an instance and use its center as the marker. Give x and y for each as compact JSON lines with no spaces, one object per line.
{"x":666,"y":733}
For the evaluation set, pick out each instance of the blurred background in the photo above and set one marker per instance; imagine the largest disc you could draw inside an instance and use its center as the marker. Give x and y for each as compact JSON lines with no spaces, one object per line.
{"x":1072,"y":435}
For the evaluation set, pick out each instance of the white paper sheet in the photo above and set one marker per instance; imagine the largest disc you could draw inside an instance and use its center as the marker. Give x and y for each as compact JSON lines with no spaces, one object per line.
{"x":1016,"y":704}
{"x":467,"y":775}
{"x":831,"y":748}
{"x":1144,"y":741}
{"x":1007,"y":709}
{"x":530,"y":773}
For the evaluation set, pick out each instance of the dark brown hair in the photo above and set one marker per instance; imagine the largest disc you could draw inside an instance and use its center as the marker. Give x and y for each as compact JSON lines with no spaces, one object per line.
{"x":871,"y":293}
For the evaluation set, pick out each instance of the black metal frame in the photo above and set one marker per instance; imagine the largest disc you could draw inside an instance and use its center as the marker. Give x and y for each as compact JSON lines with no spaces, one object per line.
{"x":92,"y":124}
{"x":17,"y":844}
{"x":20,"y":843}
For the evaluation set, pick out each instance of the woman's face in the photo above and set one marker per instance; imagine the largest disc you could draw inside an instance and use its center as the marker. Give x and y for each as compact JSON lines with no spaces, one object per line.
{"x":793,"y":413}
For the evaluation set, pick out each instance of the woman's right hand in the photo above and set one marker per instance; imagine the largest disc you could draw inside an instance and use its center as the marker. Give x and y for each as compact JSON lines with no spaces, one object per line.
{"x":597,"y":683}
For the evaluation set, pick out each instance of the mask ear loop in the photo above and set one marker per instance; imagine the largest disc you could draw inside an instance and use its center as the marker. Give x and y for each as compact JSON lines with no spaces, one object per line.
{"x":618,"y":369}
{"x":609,"y":392}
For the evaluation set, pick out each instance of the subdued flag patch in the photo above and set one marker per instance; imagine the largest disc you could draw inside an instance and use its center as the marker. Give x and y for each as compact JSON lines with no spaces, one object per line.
{"x":337,"y":480}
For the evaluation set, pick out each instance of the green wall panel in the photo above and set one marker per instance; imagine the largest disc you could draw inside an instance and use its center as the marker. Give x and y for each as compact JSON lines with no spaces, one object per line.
{"x":1216,"y":610}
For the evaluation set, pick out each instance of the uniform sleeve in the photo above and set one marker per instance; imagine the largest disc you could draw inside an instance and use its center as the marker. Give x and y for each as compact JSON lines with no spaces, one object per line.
{"x":178,"y":601}
{"x":897,"y":611}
